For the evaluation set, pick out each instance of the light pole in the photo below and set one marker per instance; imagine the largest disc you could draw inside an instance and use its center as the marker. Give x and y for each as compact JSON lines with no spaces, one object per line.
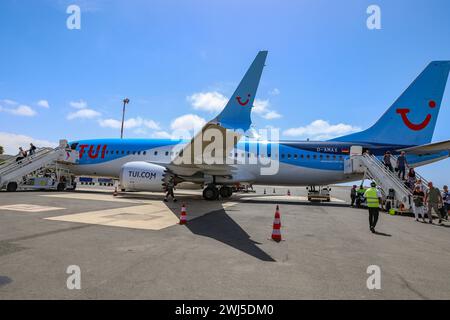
{"x":125,"y":101}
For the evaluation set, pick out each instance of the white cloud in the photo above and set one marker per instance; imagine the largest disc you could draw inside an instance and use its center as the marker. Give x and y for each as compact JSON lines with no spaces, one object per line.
{"x":140,"y":131}
{"x":43,"y":104}
{"x":78,"y":104}
{"x":129,"y":124}
{"x":271,"y":115}
{"x":83,"y":114}
{"x":320,"y":130}
{"x":151,"y":124}
{"x":161,"y":135}
{"x":274,"y":92}
{"x":11,"y":142}
{"x":10,"y":102}
{"x":208,"y":101}
{"x":188,"y":122}
{"x":21,"y":110}
{"x":215,"y":101}
{"x":262,"y":108}
{"x":110,"y":123}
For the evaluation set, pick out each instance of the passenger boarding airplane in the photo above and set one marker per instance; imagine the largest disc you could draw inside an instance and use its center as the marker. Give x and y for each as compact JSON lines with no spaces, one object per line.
{"x":145,"y":164}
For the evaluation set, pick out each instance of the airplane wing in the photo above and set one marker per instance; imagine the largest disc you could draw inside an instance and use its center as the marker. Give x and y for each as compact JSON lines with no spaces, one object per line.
{"x":208,"y":151}
{"x":428,"y":148}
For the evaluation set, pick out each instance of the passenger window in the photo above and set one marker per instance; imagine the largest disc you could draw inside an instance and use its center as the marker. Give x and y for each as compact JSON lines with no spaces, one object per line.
{"x":328,"y":156}
{"x":295,"y":156}
{"x":282,"y":156}
{"x":315,"y":156}
{"x":167,"y":153}
{"x":117,"y":151}
{"x":302,"y":156}
{"x":144,"y":153}
{"x":308,"y":156}
{"x":134,"y":152}
{"x":139,"y":153}
{"x":334,"y":157}
{"x":289,"y":155}
{"x":155,"y":153}
{"x":128,"y":152}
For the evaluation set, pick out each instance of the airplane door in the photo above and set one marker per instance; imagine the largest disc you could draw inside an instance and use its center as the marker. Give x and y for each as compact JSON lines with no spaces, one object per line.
{"x":356,"y":150}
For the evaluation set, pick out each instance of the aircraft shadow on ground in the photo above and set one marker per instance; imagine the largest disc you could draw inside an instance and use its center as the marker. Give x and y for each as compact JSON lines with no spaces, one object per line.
{"x":221,"y":227}
{"x":218,"y":225}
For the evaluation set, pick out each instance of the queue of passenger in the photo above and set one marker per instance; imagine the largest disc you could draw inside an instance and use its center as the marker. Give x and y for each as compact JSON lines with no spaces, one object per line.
{"x":25,"y":153}
{"x":425,"y":201}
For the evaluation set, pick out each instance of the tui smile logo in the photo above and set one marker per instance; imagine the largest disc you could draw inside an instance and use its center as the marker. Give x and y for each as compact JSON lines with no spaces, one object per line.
{"x":243,"y":103}
{"x":416,"y":126}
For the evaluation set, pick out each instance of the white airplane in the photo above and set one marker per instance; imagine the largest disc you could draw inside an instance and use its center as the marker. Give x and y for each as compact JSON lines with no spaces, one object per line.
{"x":146,"y":164}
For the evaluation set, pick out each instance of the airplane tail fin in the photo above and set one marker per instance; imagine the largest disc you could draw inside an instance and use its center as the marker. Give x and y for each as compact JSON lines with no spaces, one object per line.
{"x":412,"y":118}
{"x":236,"y":114}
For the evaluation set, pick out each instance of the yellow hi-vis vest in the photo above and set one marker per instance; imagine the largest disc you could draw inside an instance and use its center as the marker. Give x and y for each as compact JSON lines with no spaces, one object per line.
{"x":372,"y":198}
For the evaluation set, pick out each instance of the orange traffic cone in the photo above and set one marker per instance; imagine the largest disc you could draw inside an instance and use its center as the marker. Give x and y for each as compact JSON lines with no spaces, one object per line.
{"x":183,"y":214}
{"x":289,"y":193}
{"x":276,"y":232}
{"x":115,"y":192}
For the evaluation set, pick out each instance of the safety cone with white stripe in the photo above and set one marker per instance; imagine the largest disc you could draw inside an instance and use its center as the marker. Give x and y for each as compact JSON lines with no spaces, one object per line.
{"x":264,"y":190}
{"x":289,"y":193}
{"x":276,"y":232}
{"x":183,"y":215}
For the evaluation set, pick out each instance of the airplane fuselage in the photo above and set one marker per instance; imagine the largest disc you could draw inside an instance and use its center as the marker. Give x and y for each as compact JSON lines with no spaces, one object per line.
{"x":299,"y":162}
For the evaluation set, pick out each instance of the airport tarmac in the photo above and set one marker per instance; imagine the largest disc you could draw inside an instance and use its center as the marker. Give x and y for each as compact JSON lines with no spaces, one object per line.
{"x":131,"y":247}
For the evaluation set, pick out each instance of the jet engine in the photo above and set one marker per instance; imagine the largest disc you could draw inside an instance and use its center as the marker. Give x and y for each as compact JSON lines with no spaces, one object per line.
{"x":142,"y":176}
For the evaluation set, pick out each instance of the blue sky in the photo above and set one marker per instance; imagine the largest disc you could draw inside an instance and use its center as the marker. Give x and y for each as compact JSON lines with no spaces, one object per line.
{"x":178,"y":60}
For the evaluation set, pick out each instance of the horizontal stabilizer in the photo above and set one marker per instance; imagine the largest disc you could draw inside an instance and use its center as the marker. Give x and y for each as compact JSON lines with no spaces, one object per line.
{"x":428,"y":148}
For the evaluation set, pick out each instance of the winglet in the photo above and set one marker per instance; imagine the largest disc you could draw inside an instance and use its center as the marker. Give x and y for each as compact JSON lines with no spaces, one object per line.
{"x":236,"y":114}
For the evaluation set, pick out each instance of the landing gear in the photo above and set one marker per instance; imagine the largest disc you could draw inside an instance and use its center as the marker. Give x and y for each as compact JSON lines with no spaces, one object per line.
{"x":11,"y":187}
{"x":61,"y":186}
{"x":226,"y":192}
{"x":210,"y":193}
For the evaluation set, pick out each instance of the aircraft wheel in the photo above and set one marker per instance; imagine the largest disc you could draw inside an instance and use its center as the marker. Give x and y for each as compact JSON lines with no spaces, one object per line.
{"x":226,"y":192}
{"x":210,"y":193}
{"x":11,"y":187}
{"x":61,"y":186}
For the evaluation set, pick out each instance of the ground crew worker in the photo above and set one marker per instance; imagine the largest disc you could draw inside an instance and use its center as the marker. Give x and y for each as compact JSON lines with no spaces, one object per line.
{"x":360,"y":196}
{"x":170,"y":186}
{"x":446,"y":199}
{"x":433,"y":199}
{"x":373,"y":198}
{"x":353,"y":196}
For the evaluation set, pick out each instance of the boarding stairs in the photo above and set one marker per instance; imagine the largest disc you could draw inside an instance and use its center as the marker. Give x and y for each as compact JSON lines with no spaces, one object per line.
{"x":13,"y":171}
{"x":392,"y":187}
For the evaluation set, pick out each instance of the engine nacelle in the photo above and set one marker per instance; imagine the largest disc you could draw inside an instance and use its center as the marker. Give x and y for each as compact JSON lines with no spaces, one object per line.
{"x":142,"y":176}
